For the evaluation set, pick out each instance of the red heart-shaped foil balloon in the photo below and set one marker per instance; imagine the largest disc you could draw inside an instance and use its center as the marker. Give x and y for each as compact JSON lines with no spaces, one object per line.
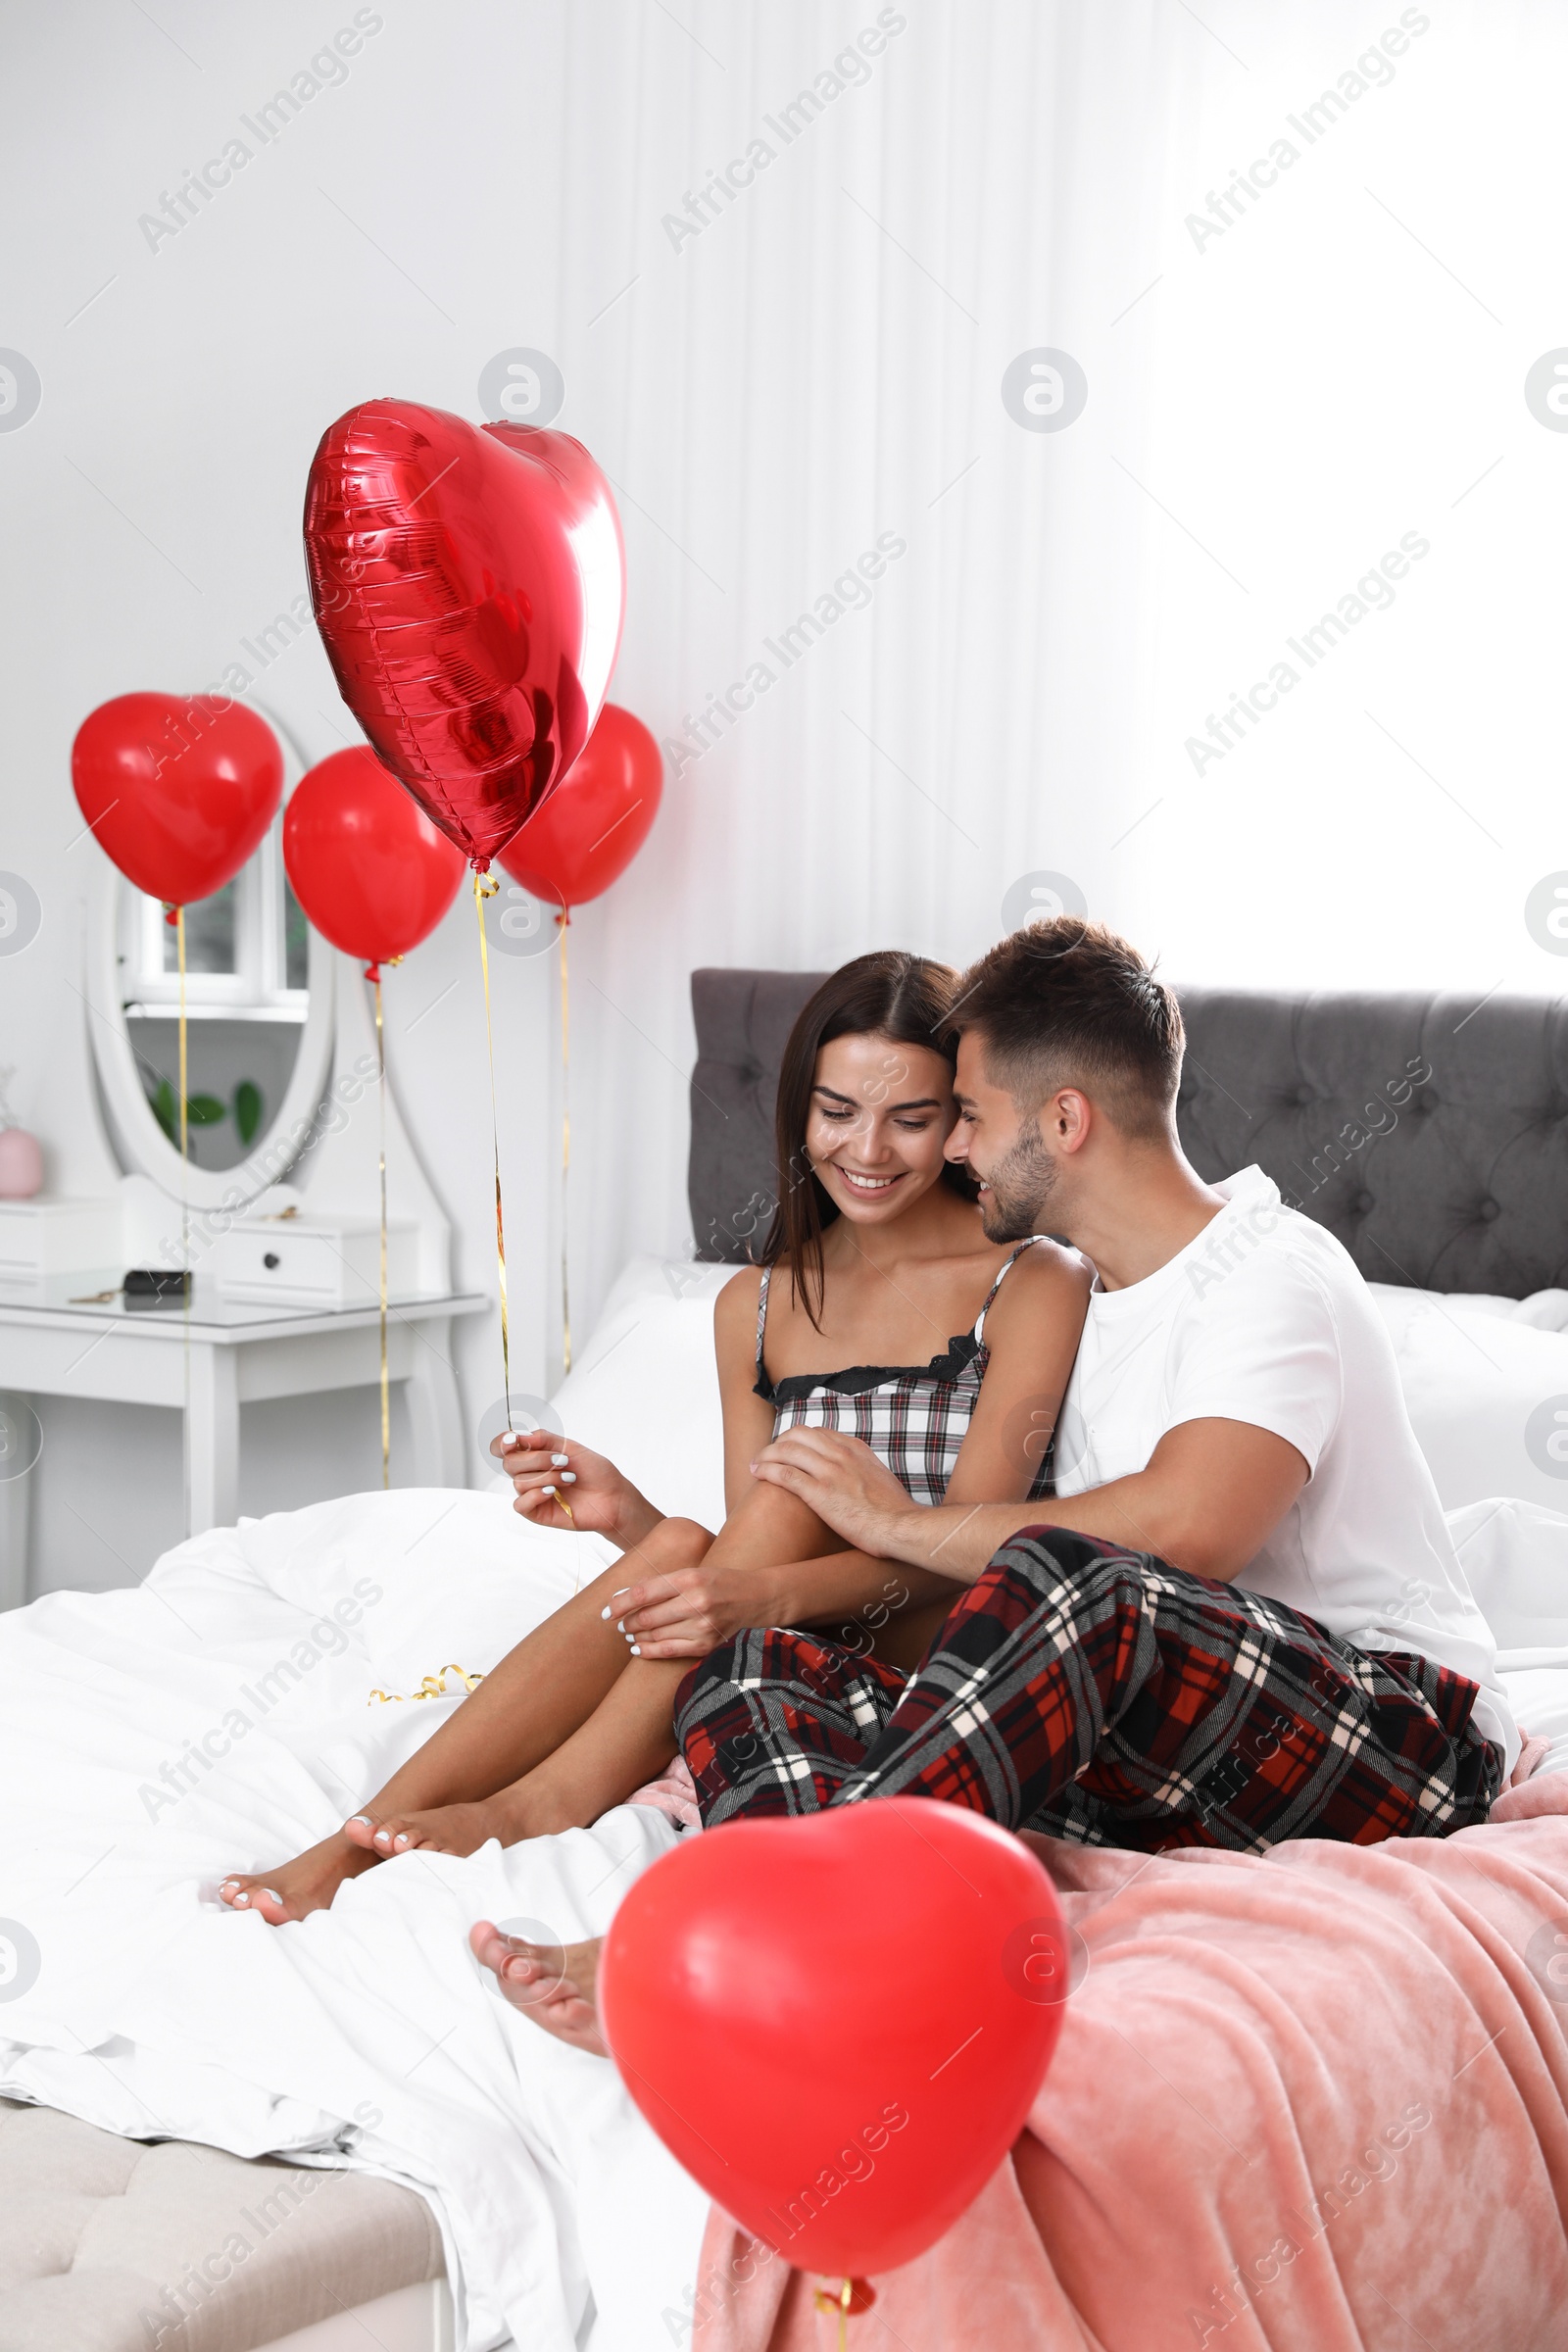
{"x":839,"y":2023}
{"x":180,"y":792}
{"x":469,"y":584}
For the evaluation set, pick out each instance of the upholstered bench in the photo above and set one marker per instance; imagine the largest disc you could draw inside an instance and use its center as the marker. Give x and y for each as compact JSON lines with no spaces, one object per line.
{"x":119,"y":2245}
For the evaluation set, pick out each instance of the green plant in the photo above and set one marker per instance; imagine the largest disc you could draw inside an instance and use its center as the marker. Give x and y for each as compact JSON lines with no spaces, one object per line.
{"x":206,"y":1110}
{"x":247,"y":1108}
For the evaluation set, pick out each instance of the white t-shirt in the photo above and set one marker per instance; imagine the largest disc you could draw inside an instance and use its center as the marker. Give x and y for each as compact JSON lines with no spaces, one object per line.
{"x":1263,"y":1318}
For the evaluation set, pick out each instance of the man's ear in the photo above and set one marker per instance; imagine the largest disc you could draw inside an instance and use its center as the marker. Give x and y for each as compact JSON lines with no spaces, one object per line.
{"x":1067,"y":1119}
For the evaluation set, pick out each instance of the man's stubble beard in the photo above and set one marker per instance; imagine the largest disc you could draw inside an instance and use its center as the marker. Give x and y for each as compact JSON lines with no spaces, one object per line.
{"x":1021,"y":1183}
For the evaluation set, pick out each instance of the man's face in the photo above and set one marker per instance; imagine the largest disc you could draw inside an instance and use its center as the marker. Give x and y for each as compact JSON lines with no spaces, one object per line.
{"x":1003,"y":1147}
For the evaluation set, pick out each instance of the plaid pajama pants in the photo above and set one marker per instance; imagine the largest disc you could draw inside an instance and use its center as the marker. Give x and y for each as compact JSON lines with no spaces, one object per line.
{"x":1101,"y":1696}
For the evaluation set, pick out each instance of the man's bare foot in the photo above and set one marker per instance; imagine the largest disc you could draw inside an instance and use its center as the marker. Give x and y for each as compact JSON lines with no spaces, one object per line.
{"x":555,"y":1984}
{"x":307,"y":1884}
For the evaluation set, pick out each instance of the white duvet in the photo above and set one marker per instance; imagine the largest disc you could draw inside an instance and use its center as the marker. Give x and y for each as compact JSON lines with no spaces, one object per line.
{"x":219,"y":1717}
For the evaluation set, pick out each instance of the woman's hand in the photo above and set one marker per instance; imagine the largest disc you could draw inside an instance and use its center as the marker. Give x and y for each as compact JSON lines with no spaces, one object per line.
{"x":549,"y":1472}
{"x":690,"y":1611}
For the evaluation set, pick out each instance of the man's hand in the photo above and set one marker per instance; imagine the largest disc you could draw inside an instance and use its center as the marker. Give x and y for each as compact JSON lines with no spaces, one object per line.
{"x":692,"y":1610}
{"x":849,"y":1488}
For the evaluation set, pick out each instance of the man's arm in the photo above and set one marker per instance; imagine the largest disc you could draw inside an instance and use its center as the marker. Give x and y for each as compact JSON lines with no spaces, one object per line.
{"x":1211,"y":1496}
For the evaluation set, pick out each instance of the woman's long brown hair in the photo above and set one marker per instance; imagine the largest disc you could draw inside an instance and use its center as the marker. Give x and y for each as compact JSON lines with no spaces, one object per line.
{"x":906,"y":998}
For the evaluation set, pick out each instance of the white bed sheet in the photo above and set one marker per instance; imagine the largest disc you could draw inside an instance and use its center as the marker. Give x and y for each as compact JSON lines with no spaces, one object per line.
{"x":367,"y":2033}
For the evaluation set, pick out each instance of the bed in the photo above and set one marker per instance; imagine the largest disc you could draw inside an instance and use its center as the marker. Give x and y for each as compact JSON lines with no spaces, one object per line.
{"x":478,"y":2185}
{"x":1315,"y":2100}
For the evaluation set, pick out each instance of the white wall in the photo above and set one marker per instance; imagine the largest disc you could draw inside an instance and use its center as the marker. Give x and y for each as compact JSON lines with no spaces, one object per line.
{"x":1269,"y":409}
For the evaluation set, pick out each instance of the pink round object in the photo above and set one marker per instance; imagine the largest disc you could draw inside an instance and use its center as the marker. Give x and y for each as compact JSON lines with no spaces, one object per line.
{"x":20,"y":1164}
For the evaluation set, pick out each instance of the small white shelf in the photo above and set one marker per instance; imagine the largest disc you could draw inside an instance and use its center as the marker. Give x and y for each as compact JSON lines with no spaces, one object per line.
{"x":135,"y":1011}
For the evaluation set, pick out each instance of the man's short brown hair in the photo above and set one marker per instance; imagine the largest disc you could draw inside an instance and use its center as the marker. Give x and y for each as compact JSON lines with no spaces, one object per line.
{"x":1068,"y":1003}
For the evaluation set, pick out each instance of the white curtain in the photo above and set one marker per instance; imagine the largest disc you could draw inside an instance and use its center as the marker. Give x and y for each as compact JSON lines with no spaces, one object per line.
{"x":1286,"y":382}
{"x":811,"y":381}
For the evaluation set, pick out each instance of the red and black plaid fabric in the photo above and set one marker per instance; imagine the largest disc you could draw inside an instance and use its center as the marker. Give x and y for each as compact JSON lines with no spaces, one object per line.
{"x":1103,"y":1696}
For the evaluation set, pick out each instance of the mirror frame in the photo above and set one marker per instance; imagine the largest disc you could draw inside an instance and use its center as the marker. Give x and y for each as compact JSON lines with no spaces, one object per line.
{"x":136,"y":1136}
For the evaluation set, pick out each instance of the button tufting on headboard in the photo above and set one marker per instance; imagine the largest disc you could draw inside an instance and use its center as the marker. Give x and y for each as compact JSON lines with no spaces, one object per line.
{"x":1430,"y":1133}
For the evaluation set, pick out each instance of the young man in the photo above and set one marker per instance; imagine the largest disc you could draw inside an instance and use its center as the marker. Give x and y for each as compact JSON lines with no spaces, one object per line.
{"x":1241,"y":1618}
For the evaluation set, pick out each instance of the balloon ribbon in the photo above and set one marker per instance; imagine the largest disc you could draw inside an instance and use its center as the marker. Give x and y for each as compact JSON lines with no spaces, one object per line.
{"x":562,"y":921}
{"x":184,"y":1207}
{"x":381,"y":1083}
{"x":480,"y":893}
{"x":837,"y":2299}
{"x":849,"y":2297}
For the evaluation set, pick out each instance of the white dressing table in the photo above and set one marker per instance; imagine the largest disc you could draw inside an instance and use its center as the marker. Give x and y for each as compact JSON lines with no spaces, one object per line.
{"x":225,"y":1355}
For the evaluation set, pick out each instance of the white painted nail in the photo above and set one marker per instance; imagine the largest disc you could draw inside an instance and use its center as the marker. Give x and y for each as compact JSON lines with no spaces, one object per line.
{"x":382,"y":1837}
{"x":550,"y":1490}
{"x":559,"y":1461}
{"x":635,"y":1651}
{"x":240,"y":1900}
{"x":273,"y":1895}
{"x":402,"y":1839}
{"x":568,"y":1477}
{"x":364,"y":1817}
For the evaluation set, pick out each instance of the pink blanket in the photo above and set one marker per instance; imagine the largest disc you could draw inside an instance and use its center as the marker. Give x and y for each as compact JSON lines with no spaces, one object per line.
{"x":1314,"y":2100}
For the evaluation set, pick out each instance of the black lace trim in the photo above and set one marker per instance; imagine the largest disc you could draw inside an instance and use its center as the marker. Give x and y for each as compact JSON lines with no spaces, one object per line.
{"x":961,"y":1354}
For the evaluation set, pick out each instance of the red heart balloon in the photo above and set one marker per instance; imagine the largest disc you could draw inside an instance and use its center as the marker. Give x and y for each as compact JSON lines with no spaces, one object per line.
{"x":839,"y":2023}
{"x":469,"y":584}
{"x":593,"y":825}
{"x":178,"y":792}
{"x":367,"y":867}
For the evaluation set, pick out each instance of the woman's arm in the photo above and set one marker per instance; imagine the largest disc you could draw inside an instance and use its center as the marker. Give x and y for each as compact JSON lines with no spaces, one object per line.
{"x":1031,"y":1332}
{"x":747,"y":1417}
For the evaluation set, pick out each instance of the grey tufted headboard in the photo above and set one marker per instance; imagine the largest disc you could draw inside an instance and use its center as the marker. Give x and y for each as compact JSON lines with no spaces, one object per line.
{"x":1430,"y":1133}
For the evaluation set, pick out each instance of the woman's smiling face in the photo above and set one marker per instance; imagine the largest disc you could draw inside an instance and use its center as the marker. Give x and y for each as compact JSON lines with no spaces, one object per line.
{"x":880,"y":1114}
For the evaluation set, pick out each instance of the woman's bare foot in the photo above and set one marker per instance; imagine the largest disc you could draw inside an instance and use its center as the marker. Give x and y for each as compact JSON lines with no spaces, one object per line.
{"x":555,"y":1984}
{"x":542,"y":1803}
{"x":307,"y":1884}
{"x":443,"y":1829}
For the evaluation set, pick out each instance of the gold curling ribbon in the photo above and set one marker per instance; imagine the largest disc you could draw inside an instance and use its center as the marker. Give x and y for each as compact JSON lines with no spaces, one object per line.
{"x":380,"y":1089}
{"x":562,"y":921}
{"x":184,"y":1209}
{"x":486,"y":887}
{"x":837,"y":2299}
{"x":434,"y":1686}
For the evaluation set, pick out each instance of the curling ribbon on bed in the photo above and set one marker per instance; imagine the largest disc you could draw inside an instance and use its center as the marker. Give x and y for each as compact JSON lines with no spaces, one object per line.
{"x":433,"y":1685}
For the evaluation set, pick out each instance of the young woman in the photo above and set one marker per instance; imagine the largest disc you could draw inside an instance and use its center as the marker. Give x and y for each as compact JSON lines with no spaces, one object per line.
{"x":875,"y":1257}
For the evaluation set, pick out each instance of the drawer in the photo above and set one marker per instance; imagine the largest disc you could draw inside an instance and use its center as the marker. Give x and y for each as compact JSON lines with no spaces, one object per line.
{"x":295,"y":1262}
